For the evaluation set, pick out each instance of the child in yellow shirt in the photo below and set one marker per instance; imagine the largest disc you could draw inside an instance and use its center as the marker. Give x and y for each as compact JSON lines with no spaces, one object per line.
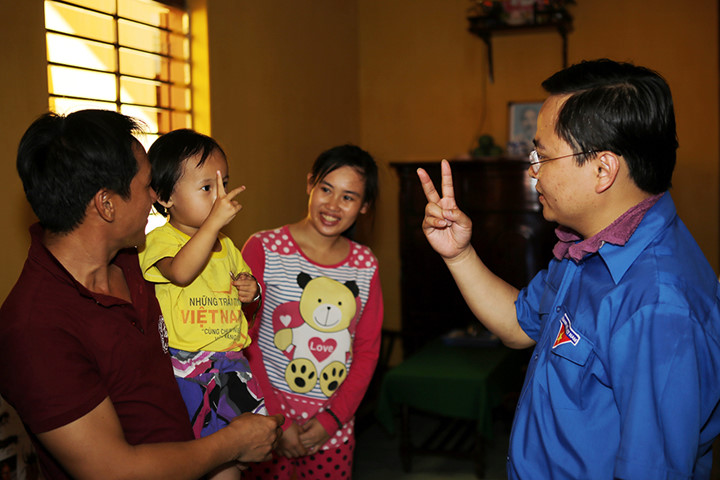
{"x":201,"y":282}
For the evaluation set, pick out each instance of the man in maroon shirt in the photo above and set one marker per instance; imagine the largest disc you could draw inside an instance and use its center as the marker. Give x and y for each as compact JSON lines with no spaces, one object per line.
{"x":83,"y":349}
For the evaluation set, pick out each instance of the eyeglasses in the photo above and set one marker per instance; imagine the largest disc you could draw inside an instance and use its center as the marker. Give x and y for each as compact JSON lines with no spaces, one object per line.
{"x":535,"y":159}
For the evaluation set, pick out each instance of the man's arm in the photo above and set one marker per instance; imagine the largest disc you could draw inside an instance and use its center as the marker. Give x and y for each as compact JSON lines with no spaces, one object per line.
{"x":448,"y":229}
{"x":94,"y":446}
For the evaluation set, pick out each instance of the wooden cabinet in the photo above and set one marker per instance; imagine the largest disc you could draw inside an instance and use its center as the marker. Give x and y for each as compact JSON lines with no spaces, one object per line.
{"x":509,"y":233}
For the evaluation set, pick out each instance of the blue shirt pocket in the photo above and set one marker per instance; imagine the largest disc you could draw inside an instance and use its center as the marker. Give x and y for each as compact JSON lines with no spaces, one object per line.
{"x":576,"y":353}
{"x":568,"y":365}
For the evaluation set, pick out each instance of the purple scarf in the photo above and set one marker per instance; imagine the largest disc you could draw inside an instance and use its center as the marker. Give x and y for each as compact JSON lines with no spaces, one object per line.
{"x":617,"y":233}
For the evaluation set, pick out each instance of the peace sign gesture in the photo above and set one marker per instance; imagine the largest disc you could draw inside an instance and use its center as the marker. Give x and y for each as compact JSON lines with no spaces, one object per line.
{"x":225,"y":207}
{"x":446,"y":227}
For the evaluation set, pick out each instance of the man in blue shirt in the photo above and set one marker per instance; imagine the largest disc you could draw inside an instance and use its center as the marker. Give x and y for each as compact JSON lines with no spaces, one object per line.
{"x":623,"y":379}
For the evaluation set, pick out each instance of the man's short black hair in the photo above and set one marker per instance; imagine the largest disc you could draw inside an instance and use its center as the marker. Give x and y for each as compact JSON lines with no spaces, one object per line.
{"x":64,"y":160}
{"x":621,"y":108}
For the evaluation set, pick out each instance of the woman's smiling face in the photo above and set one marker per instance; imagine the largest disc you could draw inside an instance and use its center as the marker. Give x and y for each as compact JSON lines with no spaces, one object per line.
{"x":336,"y":200}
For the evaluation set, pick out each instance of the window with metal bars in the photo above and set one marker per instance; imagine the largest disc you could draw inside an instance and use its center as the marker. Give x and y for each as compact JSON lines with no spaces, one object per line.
{"x":131,"y":56}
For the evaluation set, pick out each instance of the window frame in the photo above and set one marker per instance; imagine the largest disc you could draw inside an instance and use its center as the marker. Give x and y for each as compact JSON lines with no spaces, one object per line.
{"x":165,"y":53}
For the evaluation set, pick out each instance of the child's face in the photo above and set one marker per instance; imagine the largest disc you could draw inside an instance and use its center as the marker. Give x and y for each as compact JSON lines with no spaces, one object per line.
{"x":336,"y":201}
{"x":196,"y":191}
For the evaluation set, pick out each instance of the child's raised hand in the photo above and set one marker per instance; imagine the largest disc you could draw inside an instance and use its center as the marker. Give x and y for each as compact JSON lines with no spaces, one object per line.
{"x":246,"y":286}
{"x":225,"y":207}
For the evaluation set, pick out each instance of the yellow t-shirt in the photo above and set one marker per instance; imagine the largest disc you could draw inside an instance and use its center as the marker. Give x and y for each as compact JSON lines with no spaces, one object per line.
{"x":207,"y":314}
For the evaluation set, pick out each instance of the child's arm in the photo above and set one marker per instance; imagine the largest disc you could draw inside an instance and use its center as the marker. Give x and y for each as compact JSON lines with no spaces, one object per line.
{"x":187,"y":264}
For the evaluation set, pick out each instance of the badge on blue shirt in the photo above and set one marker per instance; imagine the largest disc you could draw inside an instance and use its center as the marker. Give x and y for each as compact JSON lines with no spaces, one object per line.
{"x":566,"y":333}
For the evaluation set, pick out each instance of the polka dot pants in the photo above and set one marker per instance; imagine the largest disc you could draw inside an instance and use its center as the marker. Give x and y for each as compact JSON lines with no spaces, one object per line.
{"x":333,"y":463}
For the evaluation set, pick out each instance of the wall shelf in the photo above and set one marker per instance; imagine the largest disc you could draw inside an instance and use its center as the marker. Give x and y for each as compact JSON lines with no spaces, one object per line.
{"x":486,"y":28}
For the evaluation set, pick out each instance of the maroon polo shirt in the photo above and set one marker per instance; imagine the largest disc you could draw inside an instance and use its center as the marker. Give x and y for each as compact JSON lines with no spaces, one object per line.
{"x":63,"y":349}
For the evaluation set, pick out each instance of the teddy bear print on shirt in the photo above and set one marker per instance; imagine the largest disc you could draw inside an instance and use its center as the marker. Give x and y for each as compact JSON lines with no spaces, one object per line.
{"x":321,"y":344}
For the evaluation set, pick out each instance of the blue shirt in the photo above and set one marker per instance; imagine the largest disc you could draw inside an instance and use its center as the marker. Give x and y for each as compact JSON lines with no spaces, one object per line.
{"x":625,"y":376}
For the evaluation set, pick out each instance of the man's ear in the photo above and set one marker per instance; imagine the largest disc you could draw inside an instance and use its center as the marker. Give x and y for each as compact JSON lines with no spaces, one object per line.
{"x":608,"y":166}
{"x":103,"y":202}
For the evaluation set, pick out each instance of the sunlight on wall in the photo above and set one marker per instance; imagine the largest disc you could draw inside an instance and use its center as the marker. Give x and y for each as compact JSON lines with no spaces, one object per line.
{"x":137,"y":62}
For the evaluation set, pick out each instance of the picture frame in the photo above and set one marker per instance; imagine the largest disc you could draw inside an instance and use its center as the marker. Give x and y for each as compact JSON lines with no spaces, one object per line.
{"x":522,"y":125}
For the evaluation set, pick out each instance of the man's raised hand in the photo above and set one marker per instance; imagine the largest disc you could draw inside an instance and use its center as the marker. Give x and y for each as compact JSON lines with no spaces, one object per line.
{"x":446,"y":227}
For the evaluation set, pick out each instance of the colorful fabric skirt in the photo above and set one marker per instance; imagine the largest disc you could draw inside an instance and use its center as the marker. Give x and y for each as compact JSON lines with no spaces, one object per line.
{"x":216,"y":387}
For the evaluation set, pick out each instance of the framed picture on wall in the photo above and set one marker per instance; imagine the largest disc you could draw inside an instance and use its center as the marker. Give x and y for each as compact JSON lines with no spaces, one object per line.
{"x":521,"y":131}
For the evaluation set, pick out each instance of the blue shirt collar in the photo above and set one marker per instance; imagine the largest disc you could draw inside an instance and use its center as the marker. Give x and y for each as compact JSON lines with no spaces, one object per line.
{"x":618,"y":259}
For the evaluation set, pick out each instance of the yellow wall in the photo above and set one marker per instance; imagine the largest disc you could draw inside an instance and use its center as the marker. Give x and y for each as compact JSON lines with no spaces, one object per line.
{"x":23,"y":96}
{"x":425,"y":92}
{"x":402,"y":78}
{"x":284,"y":87}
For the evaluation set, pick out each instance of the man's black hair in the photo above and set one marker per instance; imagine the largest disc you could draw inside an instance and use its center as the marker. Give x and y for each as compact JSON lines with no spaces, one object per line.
{"x":621,"y":108}
{"x":64,"y":160}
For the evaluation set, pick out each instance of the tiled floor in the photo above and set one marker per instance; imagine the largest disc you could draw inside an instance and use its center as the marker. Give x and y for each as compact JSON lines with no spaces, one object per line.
{"x":377,"y":457}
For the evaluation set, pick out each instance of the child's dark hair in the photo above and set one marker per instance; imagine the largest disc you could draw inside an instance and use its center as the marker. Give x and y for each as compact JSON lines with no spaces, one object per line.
{"x":167,"y":156}
{"x":349,"y":156}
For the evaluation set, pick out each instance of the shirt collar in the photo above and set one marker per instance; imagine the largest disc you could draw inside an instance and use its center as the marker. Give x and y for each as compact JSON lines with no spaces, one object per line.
{"x":618,"y":259}
{"x":571,"y":245}
{"x":44,"y":257}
